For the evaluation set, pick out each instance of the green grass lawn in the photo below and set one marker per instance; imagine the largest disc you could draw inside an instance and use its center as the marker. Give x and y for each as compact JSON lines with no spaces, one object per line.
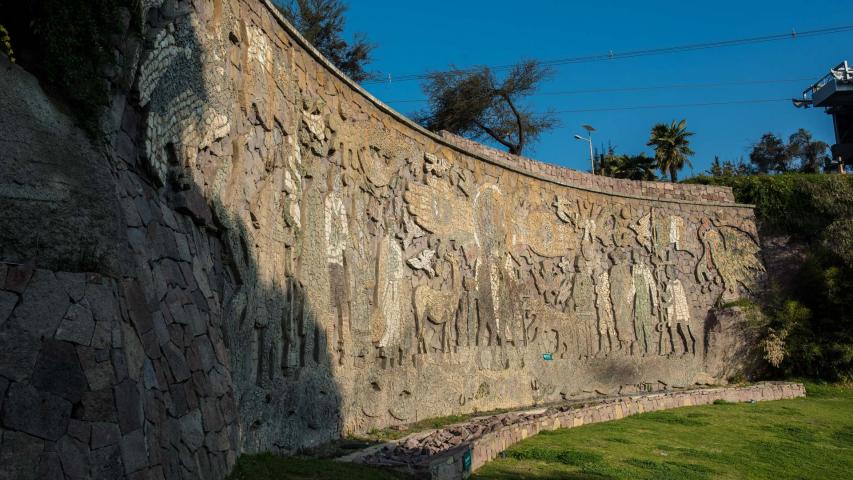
{"x":809,"y":438}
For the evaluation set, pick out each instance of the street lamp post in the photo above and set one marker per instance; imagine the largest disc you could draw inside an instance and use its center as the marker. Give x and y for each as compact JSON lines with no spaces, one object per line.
{"x":589,"y":130}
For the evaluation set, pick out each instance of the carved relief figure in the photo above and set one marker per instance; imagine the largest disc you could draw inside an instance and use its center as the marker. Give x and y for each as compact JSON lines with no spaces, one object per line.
{"x":549,"y":329}
{"x":583,"y":300}
{"x":733,"y":252}
{"x":643,"y":229}
{"x":645,"y":304}
{"x":438,"y":306}
{"x":387,"y":320}
{"x":607,"y":338}
{"x":674,"y":302}
{"x":622,"y":298}
{"x":337,"y":236}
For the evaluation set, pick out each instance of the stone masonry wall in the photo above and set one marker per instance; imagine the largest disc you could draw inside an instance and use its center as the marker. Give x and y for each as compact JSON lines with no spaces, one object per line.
{"x":256,"y":255}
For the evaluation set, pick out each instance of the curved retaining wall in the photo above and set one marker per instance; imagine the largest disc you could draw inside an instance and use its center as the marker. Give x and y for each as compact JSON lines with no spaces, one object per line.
{"x":460,"y":461}
{"x":262,"y":257}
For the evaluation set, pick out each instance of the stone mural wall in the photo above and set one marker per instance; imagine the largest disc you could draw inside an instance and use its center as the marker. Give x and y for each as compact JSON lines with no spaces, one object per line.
{"x":289,"y":261}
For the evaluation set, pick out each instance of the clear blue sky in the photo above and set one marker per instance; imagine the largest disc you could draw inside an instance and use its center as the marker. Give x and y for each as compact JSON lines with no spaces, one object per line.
{"x":415,"y":37}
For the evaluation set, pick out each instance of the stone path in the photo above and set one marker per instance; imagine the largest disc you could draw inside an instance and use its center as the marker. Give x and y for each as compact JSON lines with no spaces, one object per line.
{"x":457,"y":450}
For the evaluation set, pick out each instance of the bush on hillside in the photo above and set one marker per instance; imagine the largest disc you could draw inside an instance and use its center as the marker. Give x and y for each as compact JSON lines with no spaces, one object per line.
{"x":800,"y":205}
{"x":70,"y":45}
{"x":809,"y":327}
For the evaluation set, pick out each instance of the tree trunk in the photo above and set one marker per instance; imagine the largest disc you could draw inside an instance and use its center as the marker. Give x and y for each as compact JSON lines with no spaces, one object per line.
{"x":673,"y":174}
{"x":519,"y":122}
{"x":512,"y":147}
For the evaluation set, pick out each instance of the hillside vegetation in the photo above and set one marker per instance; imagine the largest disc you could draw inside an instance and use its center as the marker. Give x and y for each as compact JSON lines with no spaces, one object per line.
{"x":808,"y":322}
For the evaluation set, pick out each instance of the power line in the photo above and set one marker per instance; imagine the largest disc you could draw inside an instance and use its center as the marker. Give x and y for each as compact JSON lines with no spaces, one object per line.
{"x":648,"y":52}
{"x":675,"y":105}
{"x":650,"y":88}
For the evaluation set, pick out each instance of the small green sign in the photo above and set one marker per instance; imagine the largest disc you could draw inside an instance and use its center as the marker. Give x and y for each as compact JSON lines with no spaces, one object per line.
{"x":466,"y":461}
{"x":547,"y":356}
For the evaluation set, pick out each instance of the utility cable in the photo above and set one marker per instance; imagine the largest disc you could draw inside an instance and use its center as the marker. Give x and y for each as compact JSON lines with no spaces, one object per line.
{"x":648,"y":88}
{"x":792,"y":35}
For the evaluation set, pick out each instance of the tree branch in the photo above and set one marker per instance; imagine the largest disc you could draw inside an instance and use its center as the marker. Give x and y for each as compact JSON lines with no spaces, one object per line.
{"x":518,"y":120}
{"x":495,"y":135}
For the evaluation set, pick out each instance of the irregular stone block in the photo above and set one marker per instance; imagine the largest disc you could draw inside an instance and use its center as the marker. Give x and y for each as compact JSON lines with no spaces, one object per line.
{"x":17,"y":277}
{"x":19,"y":455}
{"x":80,"y":431}
{"x":50,"y":467}
{"x":177,"y":362}
{"x":77,"y":326}
{"x":106,"y":463}
{"x":43,"y":305}
{"x":192,"y":432}
{"x":74,"y":284}
{"x":74,"y":456}
{"x":19,"y":352}
{"x":99,"y":406}
{"x":137,"y":306}
{"x":58,"y":371}
{"x":8,"y":300}
{"x":43,"y":415}
{"x":134,"y":451}
{"x":128,"y":406}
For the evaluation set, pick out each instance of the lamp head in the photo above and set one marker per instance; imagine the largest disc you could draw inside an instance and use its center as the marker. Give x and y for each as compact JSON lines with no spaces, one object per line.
{"x":578,"y":137}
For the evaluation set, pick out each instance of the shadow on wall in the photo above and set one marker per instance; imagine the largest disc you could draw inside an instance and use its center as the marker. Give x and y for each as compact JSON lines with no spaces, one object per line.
{"x":228,"y":173}
{"x":174,"y":348}
{"x":288,"y":397}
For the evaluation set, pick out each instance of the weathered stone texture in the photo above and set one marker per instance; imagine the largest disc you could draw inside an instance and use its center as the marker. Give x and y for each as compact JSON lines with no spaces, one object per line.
{"x":263,"y":257}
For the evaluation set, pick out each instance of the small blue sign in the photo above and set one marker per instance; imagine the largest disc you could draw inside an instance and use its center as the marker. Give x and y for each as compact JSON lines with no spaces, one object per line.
{"x":547,"y":356}
{"x":466,"y":461}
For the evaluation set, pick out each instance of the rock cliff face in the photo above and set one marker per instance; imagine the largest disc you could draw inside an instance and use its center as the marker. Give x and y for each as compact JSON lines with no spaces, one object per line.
{"x":262,"y":257}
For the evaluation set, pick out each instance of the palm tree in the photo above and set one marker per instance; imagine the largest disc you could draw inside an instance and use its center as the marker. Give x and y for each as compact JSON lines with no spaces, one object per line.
{"x":672,"y":147}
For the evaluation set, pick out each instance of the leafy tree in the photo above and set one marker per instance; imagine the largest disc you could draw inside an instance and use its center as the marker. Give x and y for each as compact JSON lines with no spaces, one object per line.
{"x":728,"y":168}
{"x":321,"y":22}
{"x":608,"y":164}
{"x":812,"y":153}
{"x":475,"y":103}
{"x":630,"y":167}
{"x":672,"y":147}
{"x":770,"y":154}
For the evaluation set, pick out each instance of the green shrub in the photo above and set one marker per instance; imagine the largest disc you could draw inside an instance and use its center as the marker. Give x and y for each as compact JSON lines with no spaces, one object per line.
{"x":796,"y":204}
{"x":71,"y":46}
{"x":6,"y":44}
{"x":808,"y":329}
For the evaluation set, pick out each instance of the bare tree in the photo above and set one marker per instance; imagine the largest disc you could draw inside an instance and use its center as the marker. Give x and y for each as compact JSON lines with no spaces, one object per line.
{"x":475,"y":103}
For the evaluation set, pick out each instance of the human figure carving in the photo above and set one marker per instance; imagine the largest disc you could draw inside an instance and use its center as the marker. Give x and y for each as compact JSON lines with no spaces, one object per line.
{"x":622,"y":297}
{"x":606,"y":329}
{"x":645,"y":303}
{"x":677,"y":310}
{"x":583,"y":301}
{"x":438,"y":306}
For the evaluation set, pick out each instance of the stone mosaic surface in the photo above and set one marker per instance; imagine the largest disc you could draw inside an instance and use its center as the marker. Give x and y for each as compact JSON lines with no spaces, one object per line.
{"x":282,"y":260}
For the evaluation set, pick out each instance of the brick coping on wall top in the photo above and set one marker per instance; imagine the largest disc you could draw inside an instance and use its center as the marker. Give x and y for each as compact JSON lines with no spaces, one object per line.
{"x":517,"y":167}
